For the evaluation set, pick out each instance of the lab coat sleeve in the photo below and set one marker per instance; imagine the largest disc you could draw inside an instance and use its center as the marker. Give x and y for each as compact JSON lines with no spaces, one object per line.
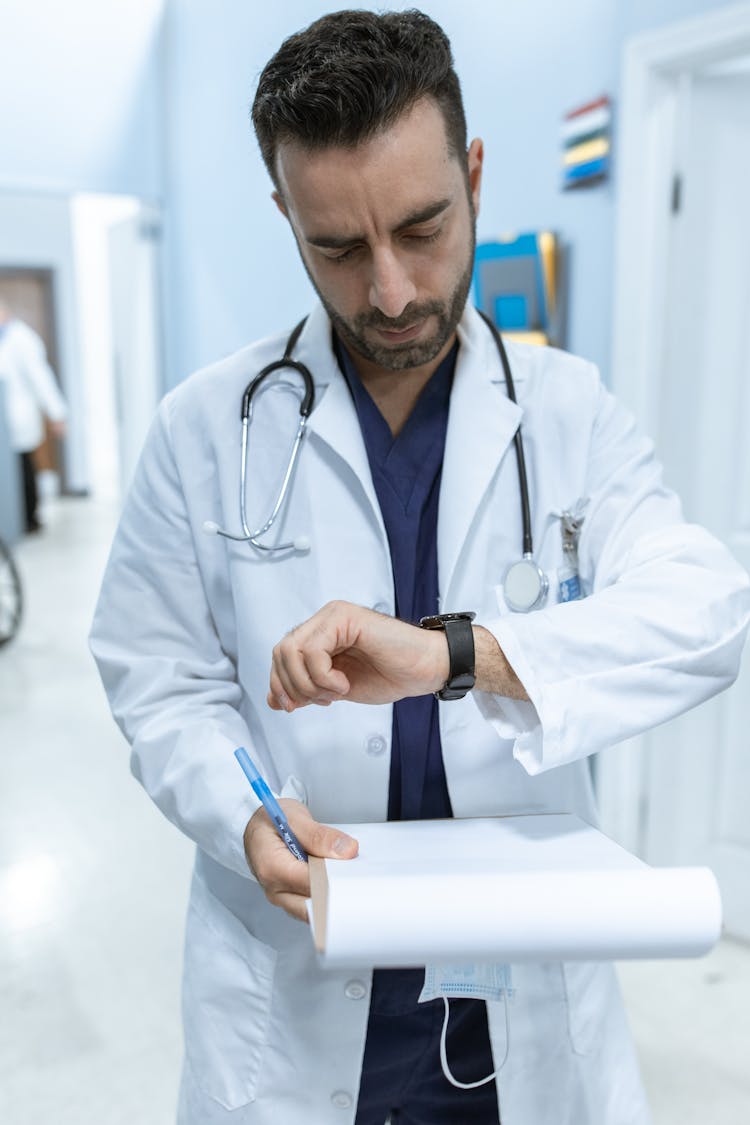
{"x":661,"y":630}
{"x":39,"y":375}
{"x":172,"y":689}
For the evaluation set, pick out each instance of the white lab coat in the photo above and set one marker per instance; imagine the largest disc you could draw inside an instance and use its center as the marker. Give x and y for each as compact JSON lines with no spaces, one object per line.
{"x":31,"y":391}
{"x":183,"y":637}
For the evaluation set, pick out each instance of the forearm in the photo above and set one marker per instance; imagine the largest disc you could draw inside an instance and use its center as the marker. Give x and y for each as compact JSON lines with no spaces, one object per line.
{"x":350,"y":652}
{"x":493,"y":672}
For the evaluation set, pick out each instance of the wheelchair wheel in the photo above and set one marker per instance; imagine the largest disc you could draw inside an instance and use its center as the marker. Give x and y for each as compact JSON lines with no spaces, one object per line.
{"x":11,"y":596}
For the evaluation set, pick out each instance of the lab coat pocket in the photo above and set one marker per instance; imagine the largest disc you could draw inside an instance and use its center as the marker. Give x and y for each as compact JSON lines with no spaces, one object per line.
{"x":227,"y":987}
{"x":585,"y":995}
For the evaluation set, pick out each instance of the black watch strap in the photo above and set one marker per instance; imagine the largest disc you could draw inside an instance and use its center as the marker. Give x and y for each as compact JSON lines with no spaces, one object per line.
{"x":460,"y":637}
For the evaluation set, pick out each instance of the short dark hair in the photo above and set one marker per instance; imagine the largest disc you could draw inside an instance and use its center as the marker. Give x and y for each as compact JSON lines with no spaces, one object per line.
{"x":351,"y":74}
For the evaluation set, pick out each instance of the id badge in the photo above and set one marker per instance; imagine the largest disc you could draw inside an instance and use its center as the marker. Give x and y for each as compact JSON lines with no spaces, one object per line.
{"x":569,"y":585}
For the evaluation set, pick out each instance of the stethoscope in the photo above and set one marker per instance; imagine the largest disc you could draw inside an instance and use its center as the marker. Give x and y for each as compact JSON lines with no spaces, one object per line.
{"x":525,"y":584}
{"x":301,"y":543}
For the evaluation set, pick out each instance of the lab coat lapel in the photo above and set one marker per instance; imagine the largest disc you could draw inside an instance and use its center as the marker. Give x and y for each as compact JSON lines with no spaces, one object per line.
{"x":334,"y":418}
{"x":481,"y":425}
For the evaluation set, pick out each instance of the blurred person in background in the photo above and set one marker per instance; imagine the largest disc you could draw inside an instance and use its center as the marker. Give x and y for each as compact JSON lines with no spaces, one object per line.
{"x":31,"y":394}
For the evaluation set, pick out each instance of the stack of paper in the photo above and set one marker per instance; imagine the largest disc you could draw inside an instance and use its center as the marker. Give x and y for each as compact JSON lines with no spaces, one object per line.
{"x":518,"y":888}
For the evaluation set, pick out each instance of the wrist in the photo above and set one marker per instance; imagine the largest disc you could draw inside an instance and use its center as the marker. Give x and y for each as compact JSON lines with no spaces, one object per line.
{"x":493,"y":672}
{"x":459,"y":637}
{"x":440,"y":661}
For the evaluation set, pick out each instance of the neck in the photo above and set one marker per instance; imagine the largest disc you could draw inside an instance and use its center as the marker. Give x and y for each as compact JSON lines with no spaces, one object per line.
{"x":395,"y":393}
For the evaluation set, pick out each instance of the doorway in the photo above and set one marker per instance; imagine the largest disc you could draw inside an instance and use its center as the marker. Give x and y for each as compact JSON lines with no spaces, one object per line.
{"x":117,"y":242}
{"x":29,"y":292}
{"x":681,"y":361}
{"x":86,"y":268}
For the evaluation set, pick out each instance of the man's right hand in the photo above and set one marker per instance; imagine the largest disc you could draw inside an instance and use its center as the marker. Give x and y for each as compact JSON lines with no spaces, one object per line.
{"x":286,"y":880}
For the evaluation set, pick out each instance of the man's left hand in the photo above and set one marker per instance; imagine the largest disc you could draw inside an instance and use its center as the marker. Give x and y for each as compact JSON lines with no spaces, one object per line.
{"x":346,"y":651}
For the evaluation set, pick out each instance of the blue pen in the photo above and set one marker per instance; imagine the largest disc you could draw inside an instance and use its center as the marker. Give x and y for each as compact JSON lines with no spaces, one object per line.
{"x":270,"y":804}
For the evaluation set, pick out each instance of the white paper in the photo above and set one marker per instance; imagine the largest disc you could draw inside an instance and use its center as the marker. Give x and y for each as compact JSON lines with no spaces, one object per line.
{"x":525,"y":888}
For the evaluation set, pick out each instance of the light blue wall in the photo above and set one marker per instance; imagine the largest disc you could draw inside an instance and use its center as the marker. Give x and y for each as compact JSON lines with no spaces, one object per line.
{"x":81,"y":96}
{"x":232,"y":267}
{"x":635,"y":16}
{"x":537,"y":61}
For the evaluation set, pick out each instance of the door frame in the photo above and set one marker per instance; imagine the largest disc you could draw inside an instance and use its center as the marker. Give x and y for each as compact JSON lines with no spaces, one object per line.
{"x":655,"y":65}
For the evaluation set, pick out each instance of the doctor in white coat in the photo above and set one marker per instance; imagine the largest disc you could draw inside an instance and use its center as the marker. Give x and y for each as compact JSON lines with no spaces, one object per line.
{"x":205,"y":643}
{"x":31,"y":393}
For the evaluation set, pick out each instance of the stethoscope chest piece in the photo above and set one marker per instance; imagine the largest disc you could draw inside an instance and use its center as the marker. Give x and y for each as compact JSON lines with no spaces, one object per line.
{"x":525,"y":585}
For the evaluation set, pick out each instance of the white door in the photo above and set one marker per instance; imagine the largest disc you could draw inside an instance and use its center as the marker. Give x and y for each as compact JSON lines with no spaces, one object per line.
{"x":136,"y":341}
{"x":698,"y":767}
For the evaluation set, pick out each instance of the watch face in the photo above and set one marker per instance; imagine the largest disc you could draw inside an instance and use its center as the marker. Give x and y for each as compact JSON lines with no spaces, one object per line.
{"x":439,"y":619}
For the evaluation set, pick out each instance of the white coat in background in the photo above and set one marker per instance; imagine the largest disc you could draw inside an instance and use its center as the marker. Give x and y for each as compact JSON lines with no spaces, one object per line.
{"x":183,"y":637}
{"x":31,"y":390}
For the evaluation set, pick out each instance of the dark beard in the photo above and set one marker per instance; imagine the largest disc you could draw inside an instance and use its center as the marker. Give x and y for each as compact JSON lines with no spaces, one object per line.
{"x":402,"y":357}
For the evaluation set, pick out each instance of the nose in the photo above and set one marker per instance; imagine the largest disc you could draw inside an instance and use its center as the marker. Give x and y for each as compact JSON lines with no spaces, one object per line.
{"x":391,"y":288}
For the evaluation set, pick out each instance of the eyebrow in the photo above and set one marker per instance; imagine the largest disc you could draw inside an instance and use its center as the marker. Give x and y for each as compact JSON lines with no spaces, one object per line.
{"x":423,"y":215}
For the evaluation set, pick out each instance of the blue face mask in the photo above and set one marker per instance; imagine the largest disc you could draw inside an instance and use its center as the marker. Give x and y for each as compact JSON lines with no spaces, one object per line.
{"x":476,"y":981}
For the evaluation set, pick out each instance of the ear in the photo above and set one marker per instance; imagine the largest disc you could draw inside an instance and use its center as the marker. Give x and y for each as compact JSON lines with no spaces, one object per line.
{"x":475,"y":161}
{"x":279,"y":201}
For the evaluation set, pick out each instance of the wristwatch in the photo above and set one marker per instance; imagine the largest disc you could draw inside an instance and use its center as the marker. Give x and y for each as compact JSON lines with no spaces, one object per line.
{"x":460,"y":638}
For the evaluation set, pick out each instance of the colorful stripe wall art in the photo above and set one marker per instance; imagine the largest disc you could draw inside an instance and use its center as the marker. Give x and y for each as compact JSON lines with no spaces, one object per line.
{"x":585,"y":136}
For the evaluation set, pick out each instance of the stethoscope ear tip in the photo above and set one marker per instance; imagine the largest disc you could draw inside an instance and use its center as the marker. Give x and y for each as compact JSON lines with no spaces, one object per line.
{"x":210,"y":527}
{"x":301,"y":544}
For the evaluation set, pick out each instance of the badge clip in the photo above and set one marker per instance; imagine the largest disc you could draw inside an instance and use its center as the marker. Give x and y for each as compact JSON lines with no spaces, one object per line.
{"x":571,"y":521}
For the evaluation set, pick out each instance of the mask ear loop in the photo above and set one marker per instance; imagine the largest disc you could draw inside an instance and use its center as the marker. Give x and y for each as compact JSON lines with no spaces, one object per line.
{"x":444,"y":1049}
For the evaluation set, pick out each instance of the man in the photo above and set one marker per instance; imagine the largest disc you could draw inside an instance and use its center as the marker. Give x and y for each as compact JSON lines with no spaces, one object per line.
{"x":31,"y":392}
{"x":407,"y":487}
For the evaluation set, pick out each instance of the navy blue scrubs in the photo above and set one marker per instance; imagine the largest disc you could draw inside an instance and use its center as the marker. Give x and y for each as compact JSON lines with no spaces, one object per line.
{"x":401,"y":1072}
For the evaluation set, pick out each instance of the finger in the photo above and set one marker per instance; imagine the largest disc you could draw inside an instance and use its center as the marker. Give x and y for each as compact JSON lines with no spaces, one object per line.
{"x":301,"y":664}
{"x":275,"y":704}
{"x":278,"y":698}
{"x":322,"y":672}
{"x":305,"y":671}
{"x":294,"y":905}
{"x":324,"y":841}
{"x":268,"y":856}
{"x":277,"y":870}
{"x":294,"y":674}
{"x":290,"y":672}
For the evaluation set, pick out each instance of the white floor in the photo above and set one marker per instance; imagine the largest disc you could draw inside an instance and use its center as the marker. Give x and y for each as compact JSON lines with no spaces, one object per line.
{"x":93,"y":884}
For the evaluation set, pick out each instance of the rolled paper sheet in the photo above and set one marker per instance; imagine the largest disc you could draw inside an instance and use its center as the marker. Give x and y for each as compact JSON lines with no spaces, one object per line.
{"x":549,"y":888}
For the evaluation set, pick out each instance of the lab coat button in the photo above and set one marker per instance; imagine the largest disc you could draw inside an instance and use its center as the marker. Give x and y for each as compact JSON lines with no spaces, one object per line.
{"x":341,"y":1099}
{"x":355,"y":990}
{"x":375,"y":744}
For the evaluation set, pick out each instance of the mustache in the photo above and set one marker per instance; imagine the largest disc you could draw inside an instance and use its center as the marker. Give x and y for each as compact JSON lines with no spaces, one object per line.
{"x":410,"y":316}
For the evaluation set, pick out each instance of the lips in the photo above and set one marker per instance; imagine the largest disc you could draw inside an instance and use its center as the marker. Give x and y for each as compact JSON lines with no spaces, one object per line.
{"x":402,"y":335}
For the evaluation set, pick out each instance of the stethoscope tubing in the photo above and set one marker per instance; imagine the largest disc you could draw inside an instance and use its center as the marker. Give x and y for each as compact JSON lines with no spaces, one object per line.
{"x":305,"y":409}
{"x":528,"y":544}
{"x":253,"y":536}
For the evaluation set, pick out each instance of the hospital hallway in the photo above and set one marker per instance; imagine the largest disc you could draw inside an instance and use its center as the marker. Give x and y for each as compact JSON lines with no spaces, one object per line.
{"x":94,"y":882}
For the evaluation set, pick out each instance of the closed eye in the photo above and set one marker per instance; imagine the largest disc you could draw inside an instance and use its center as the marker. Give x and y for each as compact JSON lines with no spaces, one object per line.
{"x":409,"y":236}
{"x":344,"y":256}
{"x":431,"y":236}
